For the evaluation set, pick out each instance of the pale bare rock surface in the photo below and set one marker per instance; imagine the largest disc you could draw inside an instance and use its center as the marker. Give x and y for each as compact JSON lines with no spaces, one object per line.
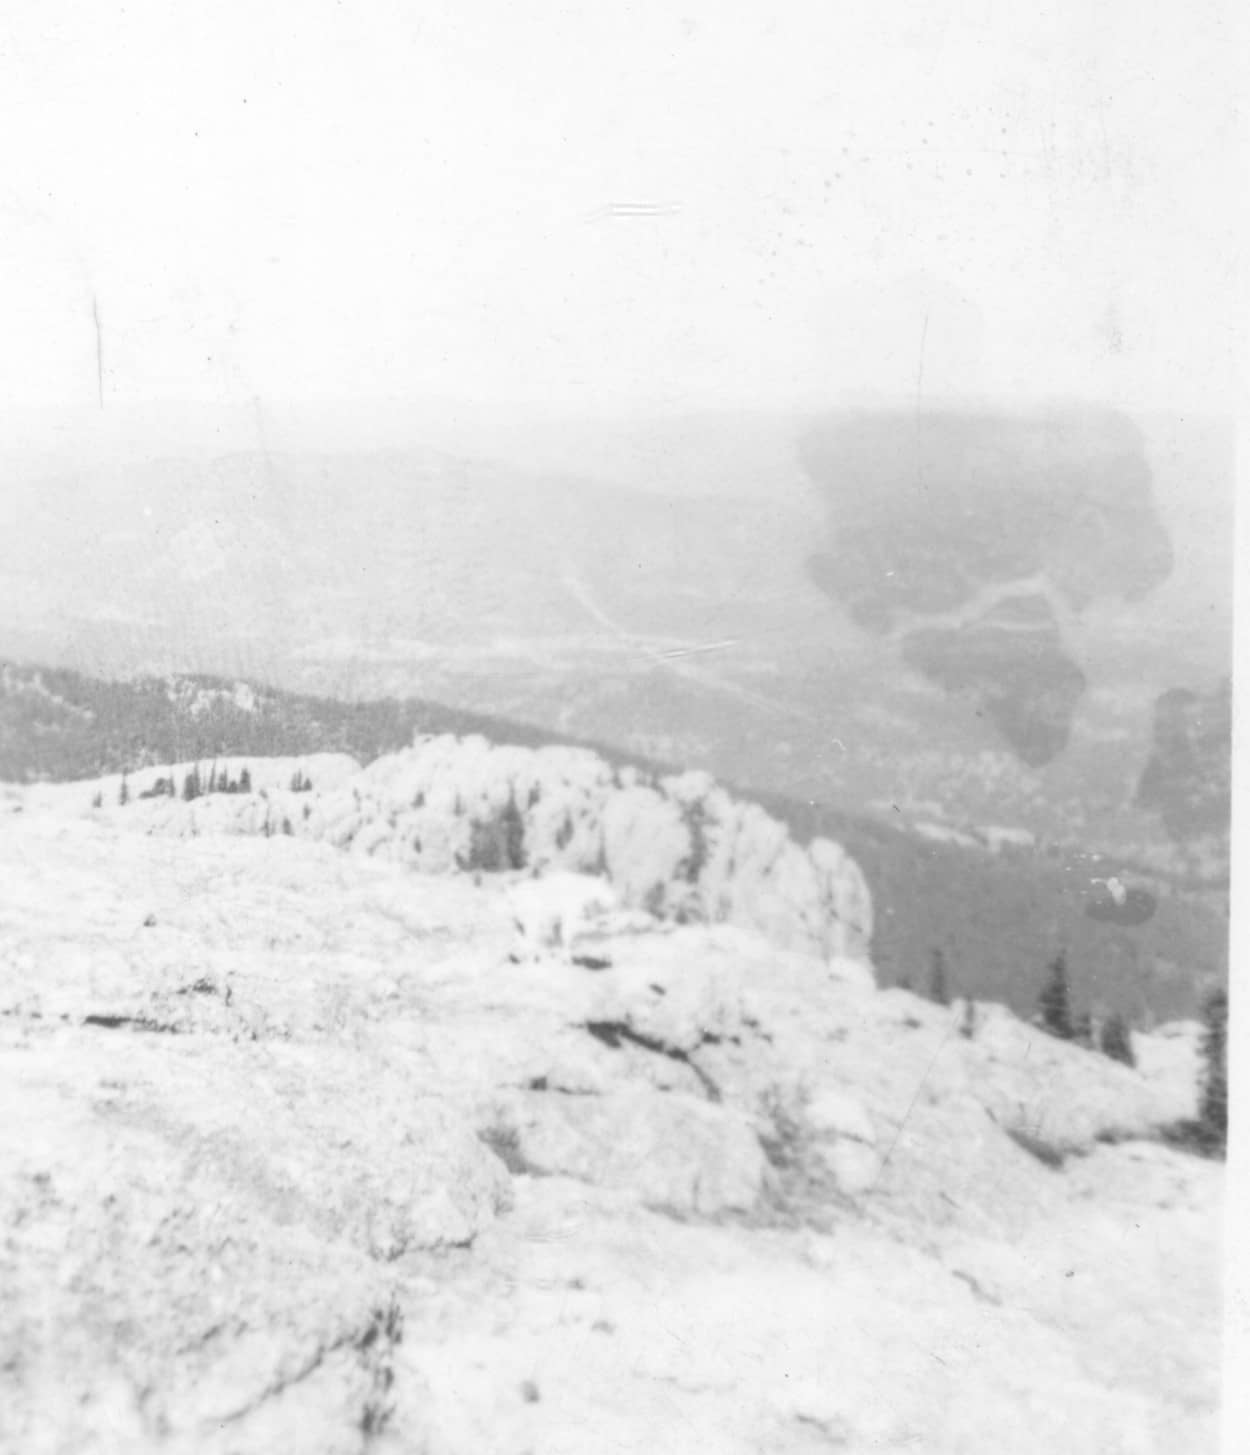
{"x":297,"y":1152}
{"x":680,"y":845}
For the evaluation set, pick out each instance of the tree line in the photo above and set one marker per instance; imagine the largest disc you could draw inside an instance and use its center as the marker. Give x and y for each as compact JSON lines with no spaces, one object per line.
{"x":196,"y":784}
{"x":1208,"y":1131}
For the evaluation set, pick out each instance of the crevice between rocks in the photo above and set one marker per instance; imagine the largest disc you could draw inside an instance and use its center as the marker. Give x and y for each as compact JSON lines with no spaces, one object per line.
{"x":133,"y":1022}
{"x":374,"y":1345}
{"x":613,"y":1033}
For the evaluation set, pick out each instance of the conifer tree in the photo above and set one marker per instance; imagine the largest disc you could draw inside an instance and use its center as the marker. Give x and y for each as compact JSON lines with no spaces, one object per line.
{"x":514,"y":835}
{"x":939,"y":990}
{"x":1213,"y":1113}
{"x":1116,"y":1041}
{"x":123,"y":793}
{"x":245,"y":781}
{"x":968,"y":1026}
{"x":1055,"y":1003}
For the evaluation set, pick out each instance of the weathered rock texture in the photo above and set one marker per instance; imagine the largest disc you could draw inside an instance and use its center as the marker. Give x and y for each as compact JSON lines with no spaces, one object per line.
{"x":679,"y":846}
{"x":303,"y":1150}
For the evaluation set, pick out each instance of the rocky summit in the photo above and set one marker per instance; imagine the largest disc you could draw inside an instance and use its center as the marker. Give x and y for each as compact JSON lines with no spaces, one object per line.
{"x":497,"y":1100}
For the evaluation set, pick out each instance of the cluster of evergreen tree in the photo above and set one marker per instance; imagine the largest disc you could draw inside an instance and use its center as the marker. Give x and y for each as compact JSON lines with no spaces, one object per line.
{"x":1112,"y":1037}
{"x":497,"y":843}
{"x":1208,"y":1132}
{"x":194,"y":785}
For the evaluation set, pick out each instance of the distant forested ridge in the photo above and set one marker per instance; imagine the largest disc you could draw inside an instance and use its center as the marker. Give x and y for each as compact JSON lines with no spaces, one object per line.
{"x":57,"y":725}
{"x":998,"y":920}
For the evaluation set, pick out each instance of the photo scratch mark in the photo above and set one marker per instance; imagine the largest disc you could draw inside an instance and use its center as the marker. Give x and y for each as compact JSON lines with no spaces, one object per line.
{"x":911,"y":1105}
{"x":99,"y":348}
{"x":635,"y":209}
{"x":700,"y":649}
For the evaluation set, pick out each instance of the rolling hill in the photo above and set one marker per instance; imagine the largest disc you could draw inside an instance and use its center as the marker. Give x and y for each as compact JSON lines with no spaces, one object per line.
{"x":650,"y":586}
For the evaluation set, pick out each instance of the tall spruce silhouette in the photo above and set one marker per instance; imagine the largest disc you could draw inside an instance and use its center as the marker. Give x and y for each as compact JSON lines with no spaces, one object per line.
{"x":1055,"y":1001}
{"x":1116,"y":1042}
{"x":939,"y":989}
{"x":514,"y":835}
{"x":1213,"y":1114}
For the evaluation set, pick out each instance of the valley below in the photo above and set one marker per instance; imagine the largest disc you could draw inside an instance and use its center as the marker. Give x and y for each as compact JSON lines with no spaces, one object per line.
{"x":759,"y":597}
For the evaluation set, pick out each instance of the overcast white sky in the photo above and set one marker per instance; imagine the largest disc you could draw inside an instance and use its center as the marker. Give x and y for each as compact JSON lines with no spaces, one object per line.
{"x":299,"y":199}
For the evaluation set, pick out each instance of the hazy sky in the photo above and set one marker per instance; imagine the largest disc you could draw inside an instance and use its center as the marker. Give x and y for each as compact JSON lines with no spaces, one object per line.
{"x":300,"y":199}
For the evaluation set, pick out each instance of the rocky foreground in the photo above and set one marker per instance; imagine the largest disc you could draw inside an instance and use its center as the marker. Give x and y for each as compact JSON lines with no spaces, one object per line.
{"x":308,"y":1148}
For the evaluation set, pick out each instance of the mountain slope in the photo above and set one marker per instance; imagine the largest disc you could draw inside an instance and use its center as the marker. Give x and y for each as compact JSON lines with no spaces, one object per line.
{"x":998,"y":917}
{"x":647,"y":586}
{"x":672,"y":1185}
